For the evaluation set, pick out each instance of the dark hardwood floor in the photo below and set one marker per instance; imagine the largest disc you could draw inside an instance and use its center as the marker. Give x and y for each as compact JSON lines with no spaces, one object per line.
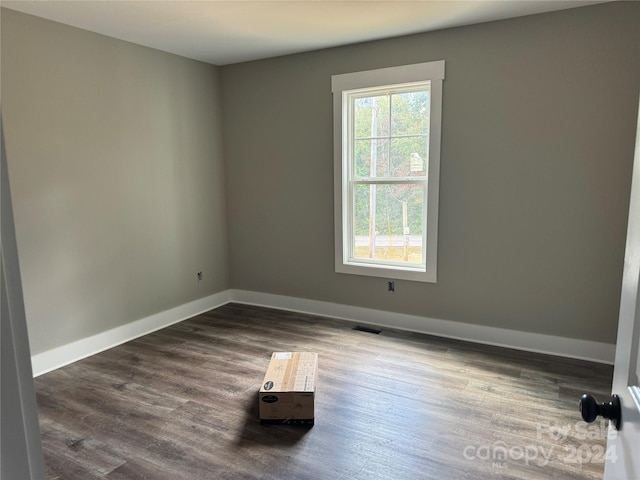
{"x":181,"y":403}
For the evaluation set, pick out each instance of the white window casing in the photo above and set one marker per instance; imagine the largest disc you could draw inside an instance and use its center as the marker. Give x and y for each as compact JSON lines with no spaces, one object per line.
{"x":386,"y":81}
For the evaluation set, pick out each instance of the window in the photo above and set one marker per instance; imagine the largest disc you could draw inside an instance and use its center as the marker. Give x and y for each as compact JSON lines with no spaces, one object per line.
{"x":387,"y":164}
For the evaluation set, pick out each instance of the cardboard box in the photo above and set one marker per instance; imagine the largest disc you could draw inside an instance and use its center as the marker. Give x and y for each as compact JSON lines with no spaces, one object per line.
{"x":288,"y":392}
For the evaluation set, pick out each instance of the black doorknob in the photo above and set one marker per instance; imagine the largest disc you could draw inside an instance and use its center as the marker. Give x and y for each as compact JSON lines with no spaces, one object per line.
{"x":590,"y":409}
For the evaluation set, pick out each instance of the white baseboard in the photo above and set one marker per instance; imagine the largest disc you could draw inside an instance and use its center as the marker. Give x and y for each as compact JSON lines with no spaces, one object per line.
{"x":532,"y":342}
{"x":58,"y":357}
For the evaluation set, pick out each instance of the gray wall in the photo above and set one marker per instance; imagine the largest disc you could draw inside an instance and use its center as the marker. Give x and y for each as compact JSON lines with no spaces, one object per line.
{"x":538,"y":132}
{"x":116,"y":169}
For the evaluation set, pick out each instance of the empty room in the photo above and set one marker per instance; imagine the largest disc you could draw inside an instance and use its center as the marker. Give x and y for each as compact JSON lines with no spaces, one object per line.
{"x":320,"y":240}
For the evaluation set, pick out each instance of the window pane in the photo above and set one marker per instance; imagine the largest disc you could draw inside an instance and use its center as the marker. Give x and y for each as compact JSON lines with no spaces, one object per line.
{"x":388,"y":222}
{"x":371,"y":117}
{"x":409,"y":157}
{"x":371,"y":158}
{"x":410,"y":113}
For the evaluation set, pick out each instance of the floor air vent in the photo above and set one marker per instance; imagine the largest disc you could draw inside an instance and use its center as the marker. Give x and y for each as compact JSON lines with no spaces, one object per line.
{"x":360,"y":328}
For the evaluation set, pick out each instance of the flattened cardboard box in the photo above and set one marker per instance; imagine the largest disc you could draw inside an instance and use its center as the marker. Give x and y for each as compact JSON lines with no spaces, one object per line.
{"x":288,"y":392}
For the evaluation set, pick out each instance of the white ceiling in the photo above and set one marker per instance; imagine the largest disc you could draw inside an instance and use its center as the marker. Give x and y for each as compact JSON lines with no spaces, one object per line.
{"x":225,"y":32}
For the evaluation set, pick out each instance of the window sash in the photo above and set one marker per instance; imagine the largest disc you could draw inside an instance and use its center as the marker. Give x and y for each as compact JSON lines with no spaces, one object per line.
{"x":349,"y":226}
{"x":353,"y":179}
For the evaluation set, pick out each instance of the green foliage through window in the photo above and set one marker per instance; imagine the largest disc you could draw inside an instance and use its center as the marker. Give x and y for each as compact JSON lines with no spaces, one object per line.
{"x":391,"y":140}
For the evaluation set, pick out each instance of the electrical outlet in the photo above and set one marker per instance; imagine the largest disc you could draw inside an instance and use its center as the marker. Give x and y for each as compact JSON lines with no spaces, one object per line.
{"x":391,"y":286}
{"x":199,"y":276}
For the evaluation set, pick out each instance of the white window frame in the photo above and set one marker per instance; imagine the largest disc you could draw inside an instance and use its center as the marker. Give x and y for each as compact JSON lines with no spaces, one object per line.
{"x":342,"y":86}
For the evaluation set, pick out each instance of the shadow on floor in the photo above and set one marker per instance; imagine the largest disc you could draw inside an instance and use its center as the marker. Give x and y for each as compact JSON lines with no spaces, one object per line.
{"x":277,"y":435}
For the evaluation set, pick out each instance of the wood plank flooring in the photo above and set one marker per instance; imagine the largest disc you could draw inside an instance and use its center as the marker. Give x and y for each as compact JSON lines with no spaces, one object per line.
{"x":181,"y":403}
